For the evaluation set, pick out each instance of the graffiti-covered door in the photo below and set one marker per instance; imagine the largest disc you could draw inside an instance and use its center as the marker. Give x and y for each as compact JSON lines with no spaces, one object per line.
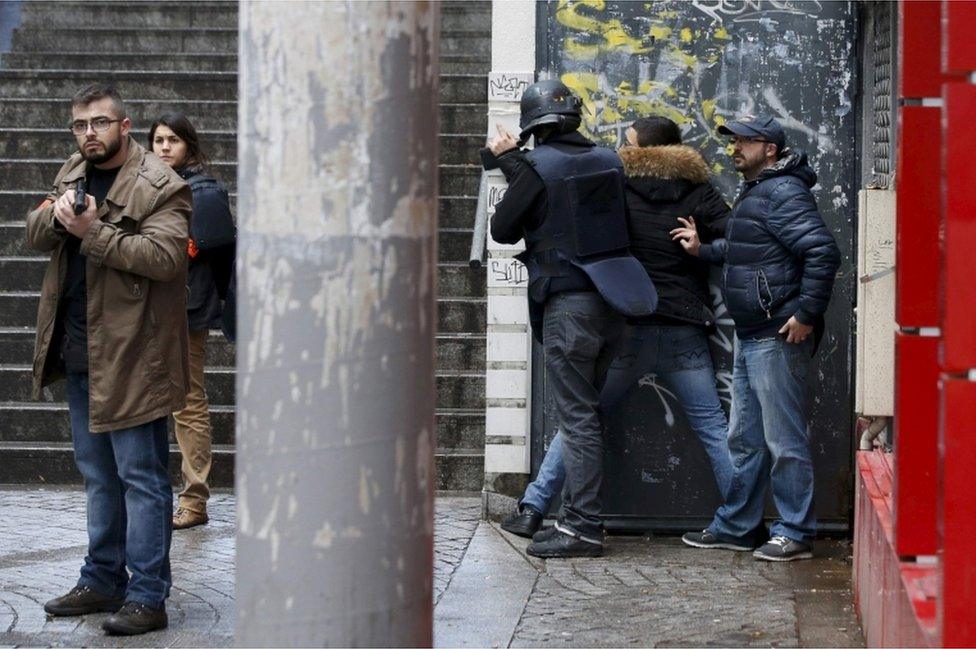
{"x":700,"y":63}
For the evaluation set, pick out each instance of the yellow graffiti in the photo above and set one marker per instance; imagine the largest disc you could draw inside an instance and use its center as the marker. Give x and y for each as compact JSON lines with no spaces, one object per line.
{"x":613,"y":33}
{"x":678,"y":54}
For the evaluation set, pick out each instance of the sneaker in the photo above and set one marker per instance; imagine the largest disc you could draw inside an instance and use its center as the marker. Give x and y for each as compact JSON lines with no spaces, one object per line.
{"x":560,"y":545}
{"x":184,"y":518}
{"x":82,"y":600}
{"x":135,"y":618}
{"x":782,"y":548}
{"x":524,"y":522}
{"x":706,"y":539}
{"x":544,"y":534}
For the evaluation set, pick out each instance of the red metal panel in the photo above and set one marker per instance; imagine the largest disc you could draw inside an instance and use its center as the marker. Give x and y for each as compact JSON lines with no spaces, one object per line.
{"x":916,"y":443}
{"x":917,"y":203}
{"x":919,"y":35}
{"x":960,"y":25}
{"x":958,"y":514}
{"x":958,"y":305}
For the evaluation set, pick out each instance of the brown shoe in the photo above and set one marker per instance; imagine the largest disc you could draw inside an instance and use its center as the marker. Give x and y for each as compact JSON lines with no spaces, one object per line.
{"x":184,"y":518}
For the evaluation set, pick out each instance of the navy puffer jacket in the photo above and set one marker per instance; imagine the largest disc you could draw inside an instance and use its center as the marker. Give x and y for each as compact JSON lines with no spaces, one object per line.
{"x":780,"y":258}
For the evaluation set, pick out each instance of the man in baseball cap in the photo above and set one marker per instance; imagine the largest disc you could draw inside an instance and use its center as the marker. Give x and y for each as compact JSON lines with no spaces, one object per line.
{"x":761,"y":128}
{"x":780,"y":260}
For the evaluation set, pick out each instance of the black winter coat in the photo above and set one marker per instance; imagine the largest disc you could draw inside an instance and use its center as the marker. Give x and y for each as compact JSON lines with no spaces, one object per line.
{"x":780,"y":258}
{"x":663,"y":183}
{"x":210,"y":267}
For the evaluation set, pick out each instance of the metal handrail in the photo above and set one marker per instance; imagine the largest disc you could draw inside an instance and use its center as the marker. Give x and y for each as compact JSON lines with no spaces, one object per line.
{"x":480,"y":236}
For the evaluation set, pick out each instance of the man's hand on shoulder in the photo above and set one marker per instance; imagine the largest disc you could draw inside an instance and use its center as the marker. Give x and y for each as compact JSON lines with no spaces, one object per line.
{"x":64,"y":212}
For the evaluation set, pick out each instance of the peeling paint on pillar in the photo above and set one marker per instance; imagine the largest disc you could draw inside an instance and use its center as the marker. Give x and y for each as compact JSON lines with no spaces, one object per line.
{"x":337,"y":212}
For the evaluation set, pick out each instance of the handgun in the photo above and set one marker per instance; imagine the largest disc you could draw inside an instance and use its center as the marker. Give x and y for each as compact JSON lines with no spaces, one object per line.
{"x":80,"y":204}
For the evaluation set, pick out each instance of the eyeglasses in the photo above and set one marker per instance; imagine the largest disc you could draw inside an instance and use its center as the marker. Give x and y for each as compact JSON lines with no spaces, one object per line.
{"x":745,"y":140}
{"x":99,"y":125}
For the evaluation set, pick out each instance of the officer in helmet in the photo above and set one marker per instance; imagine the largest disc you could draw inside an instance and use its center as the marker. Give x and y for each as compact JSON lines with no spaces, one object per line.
{"x":566,"y":200}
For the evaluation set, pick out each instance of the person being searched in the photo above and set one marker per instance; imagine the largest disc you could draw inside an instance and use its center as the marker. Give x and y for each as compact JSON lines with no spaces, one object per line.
{"x":566,"y":200}
{"x":112,"y":319}
{"x":664,"y":180}
{"x":779,"y":266}
{"x":211,"y":265}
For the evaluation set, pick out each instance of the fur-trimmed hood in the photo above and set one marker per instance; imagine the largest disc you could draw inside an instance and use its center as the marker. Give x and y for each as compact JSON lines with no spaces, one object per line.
{"x":669,"y":162}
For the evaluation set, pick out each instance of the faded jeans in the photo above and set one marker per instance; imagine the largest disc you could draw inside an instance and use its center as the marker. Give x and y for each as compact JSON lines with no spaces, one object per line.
{"x":680,"y":357}
{"x":129,"y":504}
{"x":769,"y":441}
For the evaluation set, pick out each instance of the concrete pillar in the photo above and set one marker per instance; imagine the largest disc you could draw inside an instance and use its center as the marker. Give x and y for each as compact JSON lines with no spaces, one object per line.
{"x":335,"y":357}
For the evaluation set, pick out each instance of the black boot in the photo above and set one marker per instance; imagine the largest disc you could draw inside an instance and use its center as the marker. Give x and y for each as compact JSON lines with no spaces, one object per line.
{"x":524,"y":522}
{"x":559,"y":545}
{"x":135,"y":618}
{"x":82,"y":600}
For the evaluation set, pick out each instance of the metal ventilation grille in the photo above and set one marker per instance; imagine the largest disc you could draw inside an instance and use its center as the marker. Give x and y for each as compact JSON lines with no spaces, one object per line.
{"x":882,"y":141}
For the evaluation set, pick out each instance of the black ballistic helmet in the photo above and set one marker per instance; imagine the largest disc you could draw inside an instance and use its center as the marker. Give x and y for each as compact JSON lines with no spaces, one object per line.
{"x":547,"y":102}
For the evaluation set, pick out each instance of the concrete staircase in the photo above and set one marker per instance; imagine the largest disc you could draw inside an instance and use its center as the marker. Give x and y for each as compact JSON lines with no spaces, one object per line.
{"x":162,"y":57}
{"x":465,"y":61}
{"x":49,"y":59}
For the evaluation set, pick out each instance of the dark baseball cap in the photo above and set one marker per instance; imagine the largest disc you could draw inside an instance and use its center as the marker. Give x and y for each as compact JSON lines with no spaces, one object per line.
{"x":762,"y":127}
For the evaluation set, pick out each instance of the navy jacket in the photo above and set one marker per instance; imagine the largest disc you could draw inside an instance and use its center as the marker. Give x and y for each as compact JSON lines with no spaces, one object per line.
{"x":779,"y":257}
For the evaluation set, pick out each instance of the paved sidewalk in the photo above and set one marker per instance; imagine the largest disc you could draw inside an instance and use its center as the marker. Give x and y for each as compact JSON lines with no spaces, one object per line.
{"x":645,"y":592}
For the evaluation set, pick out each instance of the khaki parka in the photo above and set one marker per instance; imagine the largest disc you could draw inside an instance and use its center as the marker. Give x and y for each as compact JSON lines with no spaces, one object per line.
{"x":136,"y":279}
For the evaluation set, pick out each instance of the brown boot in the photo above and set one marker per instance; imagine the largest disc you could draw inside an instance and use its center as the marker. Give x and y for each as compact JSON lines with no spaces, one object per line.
{"x":184,"y":518}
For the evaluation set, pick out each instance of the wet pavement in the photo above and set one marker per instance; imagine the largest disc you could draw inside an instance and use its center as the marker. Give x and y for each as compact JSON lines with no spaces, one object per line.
{"x":646,"y":592}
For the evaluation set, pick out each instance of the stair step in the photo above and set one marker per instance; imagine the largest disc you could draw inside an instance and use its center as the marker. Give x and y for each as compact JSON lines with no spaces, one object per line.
{"x":461,"y":428}
{"x":455,"y":280}
{"x":24,"y":173}
{"x":456,"y":179}
{"x":15,"y":204}
{"x":460,"y":470}
{"x":42,"y":423}
{"x":46,"y":113}
{"x":25,"y":273}
{"x":460,"y":389}
{"x":464,"y":64}
{"x":198,"y":62}
{"x":17,"y":347}
{"x":455,"y":315}
{"x":15,"y":385}
{"x":461,"y":352}
{"x":454,"y":211}
{"x":59,"y":143}
{"x":26,"y":463}
{"x":463,"y":88}
{"x":172,"y":86}
{"x":464,"y":118}
{"x":460,"y":148}
{"x":472,"y":15}
{"x":466,"y":41}
{"x":127,"y":39}
{"x":454,"y":245}
{"x":131,"y":14}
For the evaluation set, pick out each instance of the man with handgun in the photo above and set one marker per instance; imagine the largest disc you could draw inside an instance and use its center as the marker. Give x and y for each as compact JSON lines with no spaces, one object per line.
{"x":112,"y":321}
{"x":566,"y":200}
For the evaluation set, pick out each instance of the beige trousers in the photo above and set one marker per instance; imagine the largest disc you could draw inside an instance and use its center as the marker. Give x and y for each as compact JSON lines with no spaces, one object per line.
{"x":193,"y":431}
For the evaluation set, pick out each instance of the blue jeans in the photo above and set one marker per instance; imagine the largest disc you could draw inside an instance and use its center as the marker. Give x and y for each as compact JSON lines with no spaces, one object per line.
{"x":769,"y":440}
{"x":679,"y":356}
{"x":130,"y":504}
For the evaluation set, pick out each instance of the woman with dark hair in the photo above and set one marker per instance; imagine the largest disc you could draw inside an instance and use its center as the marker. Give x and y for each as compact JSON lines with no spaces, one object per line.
{"x":210,"y":279}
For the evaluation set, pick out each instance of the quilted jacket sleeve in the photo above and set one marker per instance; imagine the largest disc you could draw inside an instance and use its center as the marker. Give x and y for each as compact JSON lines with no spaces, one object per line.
{"x":795,"y":221}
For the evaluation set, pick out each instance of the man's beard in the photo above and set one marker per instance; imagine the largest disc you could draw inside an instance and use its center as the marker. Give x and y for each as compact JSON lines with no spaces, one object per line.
{"x":97,"y":158}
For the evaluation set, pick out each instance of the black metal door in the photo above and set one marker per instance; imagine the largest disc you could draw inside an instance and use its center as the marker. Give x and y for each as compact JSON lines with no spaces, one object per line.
{"x":699,"y":63}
